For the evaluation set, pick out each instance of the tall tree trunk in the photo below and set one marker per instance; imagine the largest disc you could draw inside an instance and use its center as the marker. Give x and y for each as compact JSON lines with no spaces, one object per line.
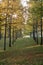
{"x":34,"y":32}
{"x":13,"y":36}
{"x":41,"y":32}
{"x":9,"y":35}
{"x":0,"y":31}
{"x":5,"y":37}
{"x":37,"y":32}
{"x":10,"y":20}
{"x":16,"y":34}
{"x":41,"y":23}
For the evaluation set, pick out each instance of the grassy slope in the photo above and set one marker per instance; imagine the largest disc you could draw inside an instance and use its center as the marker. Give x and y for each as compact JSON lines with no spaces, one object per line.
{"x":21,"y":54}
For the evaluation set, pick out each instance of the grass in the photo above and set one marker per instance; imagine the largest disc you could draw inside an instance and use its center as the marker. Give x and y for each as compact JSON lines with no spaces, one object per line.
{"x":19,"y":44}
{"x":25,"y":42}
{"x":22,"y":53}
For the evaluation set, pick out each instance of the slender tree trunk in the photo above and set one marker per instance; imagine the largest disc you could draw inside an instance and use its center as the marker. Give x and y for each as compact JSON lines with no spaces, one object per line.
{"x":10,"y":20}
{"x":13,"y":36}
{"x":41,"y":23}
{"x":5,"y":38}
{"x":9,"y":35}
{"x":34,"y":33}
{"x":0,"y":30}
{"x":37,"y":32}
{"x":41,"y":32}
{"x":37,"y":36}
{"x":16,"y":33}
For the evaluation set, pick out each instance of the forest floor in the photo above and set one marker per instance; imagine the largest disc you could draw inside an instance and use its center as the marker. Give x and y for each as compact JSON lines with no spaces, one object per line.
{"x":24,"y":52}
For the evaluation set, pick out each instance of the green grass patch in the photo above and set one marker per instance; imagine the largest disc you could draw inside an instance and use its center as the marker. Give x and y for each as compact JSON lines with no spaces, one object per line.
{"x":24,"y":42}
{"x":19,"y":44}
{"x":22,"y":53}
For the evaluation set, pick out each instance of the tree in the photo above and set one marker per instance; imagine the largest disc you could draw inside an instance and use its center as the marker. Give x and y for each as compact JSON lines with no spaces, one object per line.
{"x":36,"y":9}
{"x":0,"y":29}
